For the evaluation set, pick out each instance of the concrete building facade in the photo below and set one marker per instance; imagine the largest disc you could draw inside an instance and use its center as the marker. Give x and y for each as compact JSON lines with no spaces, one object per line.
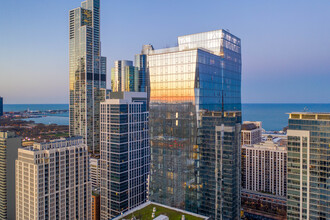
{"x":95,"y":172}
{"x":251,"y":132}
{"x":264,"y":167}
{"x":52,"y":181}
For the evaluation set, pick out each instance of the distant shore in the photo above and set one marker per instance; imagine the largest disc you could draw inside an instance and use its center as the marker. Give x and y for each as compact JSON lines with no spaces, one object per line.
{"x":273,"y":116}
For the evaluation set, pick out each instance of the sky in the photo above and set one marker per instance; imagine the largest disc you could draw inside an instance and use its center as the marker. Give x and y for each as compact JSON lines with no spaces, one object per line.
{"x":285,"y":44}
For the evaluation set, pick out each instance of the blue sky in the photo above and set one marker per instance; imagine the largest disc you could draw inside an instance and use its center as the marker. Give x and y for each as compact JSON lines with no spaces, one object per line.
{"x":285,"y":44}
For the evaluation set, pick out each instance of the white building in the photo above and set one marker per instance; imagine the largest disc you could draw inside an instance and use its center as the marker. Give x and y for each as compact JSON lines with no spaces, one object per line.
{"x":125,"y":153}
{"x":52,"y":181}
{"x":251,"y":132}
{"x":264,"y":167}
{"x":95,"y":172}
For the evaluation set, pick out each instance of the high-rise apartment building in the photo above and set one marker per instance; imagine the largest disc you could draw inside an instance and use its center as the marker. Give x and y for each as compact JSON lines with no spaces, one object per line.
{"x":201,"y":74}
{"x":9,"y":144}
{"x":95,"y":172}
{"x":87,"y":73}
{"x":219,"y":141}
{"x":308,"y":195}
{"x":1,"y":106}
{"x":52,"y":181}
{"x":125,"y":153}
{"x":251,"y":132}
{"x":264,"y":167}
{"x":264,"y":176}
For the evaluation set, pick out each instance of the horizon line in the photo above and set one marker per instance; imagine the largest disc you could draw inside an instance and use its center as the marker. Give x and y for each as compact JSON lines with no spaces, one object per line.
{"x":241,"y":103}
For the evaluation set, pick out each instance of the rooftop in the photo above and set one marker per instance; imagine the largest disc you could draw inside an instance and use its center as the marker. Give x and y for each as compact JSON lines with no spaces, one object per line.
{"x":249,"y":127}
{"x":310,"y":115}
{"x":272,"y":144}
{"x":210,"y":41}
{"x":145,"y":211}
{"x":125,"y":97}
{"x":55,"y":144}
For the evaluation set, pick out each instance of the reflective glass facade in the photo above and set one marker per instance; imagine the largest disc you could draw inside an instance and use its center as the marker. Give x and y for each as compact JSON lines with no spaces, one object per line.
{"x":119,"y":75}
{"x":220,"y":168}
{"x":202,"y":74}
{"x":125,"y":77}
{"x":128,"y":78}
{"x":143,"y":80}
{"x":87,"y":73}
{"x":308,"y":193}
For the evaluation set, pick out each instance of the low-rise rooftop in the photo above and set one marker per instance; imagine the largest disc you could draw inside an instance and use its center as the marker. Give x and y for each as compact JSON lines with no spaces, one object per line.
{"x":249,"y":127}
{"x":146,"y":210}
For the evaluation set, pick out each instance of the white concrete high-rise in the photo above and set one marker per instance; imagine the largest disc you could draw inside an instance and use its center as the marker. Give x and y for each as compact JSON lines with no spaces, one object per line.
{"x":264,"y":168}
{"x":251,"y":132}
{"x":95,"y":172}
{"x":52,"y":181}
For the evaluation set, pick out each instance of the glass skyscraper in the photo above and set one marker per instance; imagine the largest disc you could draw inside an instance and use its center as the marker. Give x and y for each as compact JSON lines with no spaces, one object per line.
{"x":128,"y":78}
{"x":124,"y":77}
{"x":220,"y":167}
{"x":87,"y":73}
{"x":308,"y":192}
{"x":201,"y":75}
{"x":142,"y":65}
{"x":125,"y":153}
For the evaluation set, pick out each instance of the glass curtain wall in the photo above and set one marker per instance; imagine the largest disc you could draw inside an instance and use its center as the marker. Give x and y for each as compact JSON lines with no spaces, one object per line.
{"x":87,"y":73}
{"x":197,"y":75}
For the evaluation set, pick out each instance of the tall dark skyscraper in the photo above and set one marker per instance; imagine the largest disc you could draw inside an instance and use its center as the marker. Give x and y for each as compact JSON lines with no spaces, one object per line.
{"x":9,"y":145}
{"x":125,"y":153}
{"x":87,"y":73}
{"x":1,"y":106}
{"x":142,"y":65}
{"x":199,"y":77}
{"x":308,"y":192}
{"x":220,"y":167}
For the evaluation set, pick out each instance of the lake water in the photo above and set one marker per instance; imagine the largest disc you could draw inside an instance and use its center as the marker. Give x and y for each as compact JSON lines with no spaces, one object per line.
{"x":60,"y":119}
{"x":273,"y":116}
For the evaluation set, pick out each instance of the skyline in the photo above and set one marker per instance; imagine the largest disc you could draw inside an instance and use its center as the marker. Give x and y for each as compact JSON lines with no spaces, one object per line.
{"x":277,"y":67}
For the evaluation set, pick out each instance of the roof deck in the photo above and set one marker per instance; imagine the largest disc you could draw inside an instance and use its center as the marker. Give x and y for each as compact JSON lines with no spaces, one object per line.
{"x":310,"y":115}
{"x":145,"y":211}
